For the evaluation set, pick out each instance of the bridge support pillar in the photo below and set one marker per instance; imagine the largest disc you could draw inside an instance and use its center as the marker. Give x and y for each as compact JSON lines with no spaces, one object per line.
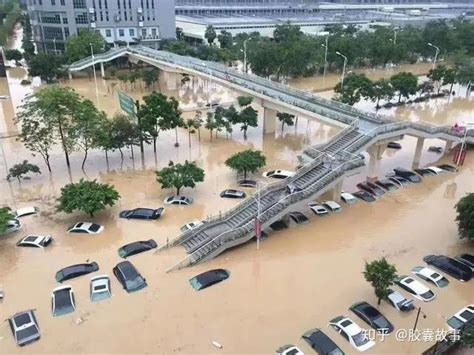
{"x":448,"y":147}
{"x":269,"y":117}
{"x":102,"y":71}
{"x":375,"y":155}
{"x":336,"y":192}
{"x":170,"y":80}
{"x":418,"y":151}
{"x":69,"y":74}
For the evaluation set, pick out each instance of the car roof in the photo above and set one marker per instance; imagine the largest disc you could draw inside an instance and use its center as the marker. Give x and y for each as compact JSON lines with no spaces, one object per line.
{"x":429,"y":273}
{"x":347,"y":195}
{"x":415,"y":285}
{"x":22,"y":319}
{"x":332,"y":204}
{"x":323,"y":342}
{"x":62,"y":296}
{"x":349,"y":326}
{"x":26,"y":210}
{"x":127,"y":269}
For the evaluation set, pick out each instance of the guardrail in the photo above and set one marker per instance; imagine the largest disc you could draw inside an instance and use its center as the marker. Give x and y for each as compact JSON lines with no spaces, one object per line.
{"x":267,"y":214}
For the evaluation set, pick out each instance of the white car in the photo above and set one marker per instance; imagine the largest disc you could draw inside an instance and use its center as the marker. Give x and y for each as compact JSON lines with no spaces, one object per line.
{"x":427,"y":274}
{"x":25,"y":211}
{"x":279,"y":174}
{"x":178,"y":200}
{"x":458,"y":320}
{"x":13,"y":225}
{"x":289,"y":349}
{"x":348,"y":198}
{"x":86,"y":227}
{"x":317,"y":208}
{"x":333,"y":206}
{"x":100,"y":288}
{"x":62,"y":301}
{"x":416,"y":288}
{"x":190,"y":226}
{"x":354,"y":334}
{"x":35,"y":241}
{"x":435,"y":170}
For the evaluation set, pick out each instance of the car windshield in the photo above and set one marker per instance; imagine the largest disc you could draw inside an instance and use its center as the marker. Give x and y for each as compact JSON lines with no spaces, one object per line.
{"x":30,"y":239}
{"x":62,"y":302}
{"x":22,"y":319}
{"x":467,"y":315}
{"x":455,"y":323}
{"x":94,"y":227}
{"x":427,"y":295}
{"x":101,"y":292}
{"x":134,"y":283}
{"x":27,"y":332}
{"x":360,"y":339}
{"x":443,"y":282}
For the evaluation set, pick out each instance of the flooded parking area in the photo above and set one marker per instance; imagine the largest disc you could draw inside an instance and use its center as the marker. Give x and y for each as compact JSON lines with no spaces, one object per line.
{"x":297,"y":280}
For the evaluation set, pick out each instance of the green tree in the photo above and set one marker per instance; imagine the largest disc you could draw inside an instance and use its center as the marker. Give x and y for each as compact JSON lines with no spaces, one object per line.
{"x":210,"y":124}
{"x":405,"y":84}
{"x":467,"y":337}
{"x":244,"y":100}
{"x":437,"y":75}
{"x":180,"y":175}
{"x":381,"y":275}
{"x":355,"y":87}
{"x":246,"y":161}
{"x":47,"y":66}
{"x":150,"y":77}
{"x":450,"y":78}
{"x":79,"y":47}
{"x":225,"y":39}
{"x":53,"y":107}
{"x":210,"y":34}
{"x":248,"y":117}
{"x":191,"y":127}
{"x":465,"y":216}
{"x":285,"y":118}
{"x":5,"y":217}
{"x":14,"y":54}
{"x":87,"y":196}
{"x":124,"y":133}
{"x":381,"y":89}
{"x":18,"y":170}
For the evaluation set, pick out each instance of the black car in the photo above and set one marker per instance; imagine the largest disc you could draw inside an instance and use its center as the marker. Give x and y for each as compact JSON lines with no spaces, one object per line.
{"x":364,"y":195}
{"x":231,"y":193}
{"x":363,"y":186}
{"x":142,"y":213}
{"x":247,"y":183}
{"x":399,"y":181}
{"x":387,"y":185}
{"x":321,"y":343}
{"x":298,"y":217}
{"x":450,"y":266}
{"x":424,"y":172}
{"x":467,"y":259}
{"x":377,"y":189}
{"x":394,"y":145}
{"x":77,"y":270}
{"x":136,"y":247}
{"x":372,"y":317}
{"x":407,"y":174}
{"x":208,"y":278}
{"x":129,"y":276}
{"x":447,"y":167}
{"x":24,"y":327}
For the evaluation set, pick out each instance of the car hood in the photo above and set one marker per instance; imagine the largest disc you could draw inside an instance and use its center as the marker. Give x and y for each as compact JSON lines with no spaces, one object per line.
{"x":382,"y":323}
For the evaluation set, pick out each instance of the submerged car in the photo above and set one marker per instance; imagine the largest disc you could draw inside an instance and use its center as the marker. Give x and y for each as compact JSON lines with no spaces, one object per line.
{"x":364,"y":187}
{"x":364,"y":196}
{"x":279,"y":174}
{"x":231,"y":193}
{"x":208,"y":278}
{"x":129,"y":277}
{"x":25,"y":211}
{"x":450,"y":266}
{"x":348,"y":198}
{"x":407,"y":174}
{"x":371,"y":188}
{"x":458,"y":320}
{"x":136,"y":247}
{"x":35,"y":241}
{"x":142,"y":213}
{"x":467,"y":259}
{"x":318,"y":209}
{"x":430,"y":275}
{"x":86,"y":227}
{"x":332,"y":206}
{"x":387,"y":185}
{"x":397,"y":300}
{"x":77,"y":270}
{"x":399,"y":181}
{"x":298,"y":217}
{"x":179,"y":200}
{"x":372,"y":317}
{"x":100,"y":288}
{"x":354,"y":334}
{"x":190,"y":226}
{"x":13,"y":225}
{"x":394,"y":145}
{"x":63,"y":301}
{"x":288,"y":349}
{"x":416,"y":288}
{"x":24,"y":327}
{"x":247,"y":183}
{"x":424,"y":172}
{"x":321,"y":343}
{"x":447,"y":167}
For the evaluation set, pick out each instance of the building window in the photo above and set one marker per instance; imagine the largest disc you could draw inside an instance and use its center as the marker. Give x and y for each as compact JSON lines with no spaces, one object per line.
{"x":153,"y":32}
{"x":63,"y":2}
{"x":118,"y":4}
{"x":152,"y":4}
{"x":101,"y":16}
{"x":53,"y":33}
{"x":107,"y":15}
{"x":53,"y":2}
{"x":131,"y":32}
{"x":79,"y":4}
{"x":40,"y":2}
{"x":66,"y":32}
{"x":108,"y":33}
{"x":65,"y":20}
{"x":51,"y":19}
{"x":81,"y":18}
{"x":121,"y":33}
{"x":106,"y":5}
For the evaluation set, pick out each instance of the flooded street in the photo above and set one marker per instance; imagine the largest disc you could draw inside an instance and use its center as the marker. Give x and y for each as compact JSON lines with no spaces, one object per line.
{"x":299,"y":279}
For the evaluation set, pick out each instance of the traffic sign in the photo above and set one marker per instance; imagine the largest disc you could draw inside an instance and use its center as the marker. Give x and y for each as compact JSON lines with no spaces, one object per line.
{"x":126,"y":103}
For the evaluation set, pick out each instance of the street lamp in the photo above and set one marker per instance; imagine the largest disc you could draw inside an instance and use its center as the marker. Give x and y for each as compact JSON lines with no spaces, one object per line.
{"x":394,"y":36}
{"x":436,"y":53}
{"x":95,"y":76}
{"x":467,"y":127}
{"x":259,"y":210}
{"x":209,"y":84}
{"x":245,"y":54}
{"x":417,"y":317}
{"x":325,"y":45}
{"x":343,"y":70}
{"x":54,"y":43}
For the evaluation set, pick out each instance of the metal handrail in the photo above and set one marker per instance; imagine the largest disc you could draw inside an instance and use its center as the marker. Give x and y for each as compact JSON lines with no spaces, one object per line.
{"x":291,"y":197}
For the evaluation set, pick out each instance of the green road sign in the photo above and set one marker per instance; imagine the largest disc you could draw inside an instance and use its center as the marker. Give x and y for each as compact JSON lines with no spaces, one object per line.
{"x":126,"y":103}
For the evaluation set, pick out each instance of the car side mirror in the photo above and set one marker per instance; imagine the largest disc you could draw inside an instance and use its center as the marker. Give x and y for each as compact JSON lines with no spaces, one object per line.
{"x":144,"y":280}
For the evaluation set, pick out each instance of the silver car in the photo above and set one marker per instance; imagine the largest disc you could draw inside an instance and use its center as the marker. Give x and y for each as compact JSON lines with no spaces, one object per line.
{"x":100,"y":288}
{"x":24,"y":327}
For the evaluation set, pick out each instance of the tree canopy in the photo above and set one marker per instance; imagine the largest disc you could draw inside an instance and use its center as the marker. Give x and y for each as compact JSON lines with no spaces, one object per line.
{"x":381,"y":275}
{"x":18,"y":170}
{"x":210,"y":34}
{"x":87,"y":196}
{"x":355,"y":87}
{"x":180,"y":175}
{"x":5,"y":217}
{"x":405,"y":84}
{"x":246,"y":161}
{"x":79,"y":47}
{"x":285,"y":118}
{"x":465,"y":216}
{"x":13,"y":54}
{"x":47,"y":66}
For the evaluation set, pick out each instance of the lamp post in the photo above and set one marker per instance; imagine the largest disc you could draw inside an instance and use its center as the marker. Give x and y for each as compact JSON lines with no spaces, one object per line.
{"x":258,"y":228}
{"x":209,"y":84}
{"x":95,"y":76}
{"x":325,"y":45}
{"x":467,"y":127}
{"x":417,"y":317}
{"x":394,"y":36}
{"x":245,"y":55}
{"x":436,"y":53}
{"x":54,"y":43}
{"x":343,"y":70}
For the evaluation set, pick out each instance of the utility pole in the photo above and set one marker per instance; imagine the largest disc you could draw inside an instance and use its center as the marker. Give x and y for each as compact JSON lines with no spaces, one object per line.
{"x":140,"y":135}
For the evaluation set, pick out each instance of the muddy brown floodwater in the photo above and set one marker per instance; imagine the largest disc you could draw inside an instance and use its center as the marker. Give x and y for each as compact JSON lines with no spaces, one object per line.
{"x":299,"y":279}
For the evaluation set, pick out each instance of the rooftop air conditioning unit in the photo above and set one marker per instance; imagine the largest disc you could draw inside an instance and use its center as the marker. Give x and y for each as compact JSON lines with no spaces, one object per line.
{"x":91,"y":10}
{"x":140,"y":10}
{"x":117,"y":18}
